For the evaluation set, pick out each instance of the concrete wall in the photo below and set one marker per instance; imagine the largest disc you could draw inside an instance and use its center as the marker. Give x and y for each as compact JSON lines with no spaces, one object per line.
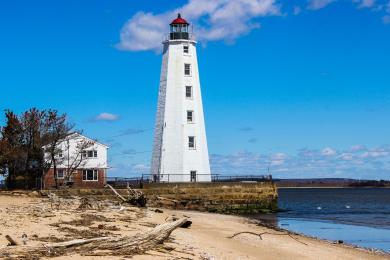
{"x":229,"y":198}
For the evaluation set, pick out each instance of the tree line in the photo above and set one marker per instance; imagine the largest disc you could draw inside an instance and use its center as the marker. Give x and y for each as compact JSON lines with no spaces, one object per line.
{"x":24,"y":141}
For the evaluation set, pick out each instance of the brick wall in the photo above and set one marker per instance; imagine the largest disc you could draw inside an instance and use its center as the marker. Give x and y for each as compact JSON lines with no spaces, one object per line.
{"x":49,"y":181}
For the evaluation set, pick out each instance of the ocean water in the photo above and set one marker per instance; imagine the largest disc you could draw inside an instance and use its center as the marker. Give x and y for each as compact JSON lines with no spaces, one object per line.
{"x":358,"y":216}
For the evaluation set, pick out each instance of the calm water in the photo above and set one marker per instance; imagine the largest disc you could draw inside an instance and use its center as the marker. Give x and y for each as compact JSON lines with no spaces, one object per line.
{"x":358,"y":216}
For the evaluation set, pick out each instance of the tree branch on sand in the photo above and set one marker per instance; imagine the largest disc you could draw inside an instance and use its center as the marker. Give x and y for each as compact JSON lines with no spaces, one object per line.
{"x":99,"y":246}
{"x":266,"y":233}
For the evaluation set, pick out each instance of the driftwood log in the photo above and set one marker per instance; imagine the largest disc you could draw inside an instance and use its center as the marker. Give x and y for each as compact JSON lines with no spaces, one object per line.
{"x":100,"y":246}
{"x":11,"y":241}
{"x":136,"y":198}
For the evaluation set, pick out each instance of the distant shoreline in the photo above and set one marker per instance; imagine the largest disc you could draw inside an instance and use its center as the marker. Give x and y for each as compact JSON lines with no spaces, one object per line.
{"x":330,"y":187}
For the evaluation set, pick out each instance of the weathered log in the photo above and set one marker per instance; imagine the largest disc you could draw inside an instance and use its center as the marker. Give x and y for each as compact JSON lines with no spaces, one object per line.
{"x":116,"y":193}
{"x":11,"y":241}
{"x":128,"y":245}
{"x":135,"y":198}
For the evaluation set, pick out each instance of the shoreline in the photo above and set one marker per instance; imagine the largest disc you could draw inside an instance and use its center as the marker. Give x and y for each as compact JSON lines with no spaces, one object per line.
{"x":330,"y":187}
{"x":321,"y":246}
{"x":347,"y":244}
{"x":209,"y":236}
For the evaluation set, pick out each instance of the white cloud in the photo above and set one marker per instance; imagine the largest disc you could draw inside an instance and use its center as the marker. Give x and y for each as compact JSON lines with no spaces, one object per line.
{"x":375,"y":153}
{"x":370,"y":163}
{"x":357,"y":148}
{"x":328,"y":151}
{"x":106,"y":117}
{"x":318,"y":4}
{"x":367,"y":3}
{"x":297,"y":10}
{"x":213,"y":20}
{"x":346,"y":156}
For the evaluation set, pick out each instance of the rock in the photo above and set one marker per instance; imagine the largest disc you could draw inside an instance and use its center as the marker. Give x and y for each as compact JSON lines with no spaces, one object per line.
{"x":186,"y":224}
{"x":33,"y":194}
{"x":158,"y":211}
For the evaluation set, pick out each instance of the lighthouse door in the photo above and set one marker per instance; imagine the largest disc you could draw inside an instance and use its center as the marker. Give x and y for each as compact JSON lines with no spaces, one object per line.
{"x":193,"y":176}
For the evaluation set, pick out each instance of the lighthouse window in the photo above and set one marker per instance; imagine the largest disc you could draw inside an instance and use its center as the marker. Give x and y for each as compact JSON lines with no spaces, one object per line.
{"x":191,"y":142}
{"x":186,"y":49}
{"x":190,"y":116}
{"x":188,"y":91}
{"x":187,"y":69}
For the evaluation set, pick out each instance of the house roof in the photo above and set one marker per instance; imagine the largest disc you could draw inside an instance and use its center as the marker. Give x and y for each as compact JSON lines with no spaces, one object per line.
{"x":74,"y":134}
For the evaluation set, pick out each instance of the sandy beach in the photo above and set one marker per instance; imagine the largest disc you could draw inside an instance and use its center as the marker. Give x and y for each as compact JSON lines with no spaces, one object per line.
{"x":209,"y":236}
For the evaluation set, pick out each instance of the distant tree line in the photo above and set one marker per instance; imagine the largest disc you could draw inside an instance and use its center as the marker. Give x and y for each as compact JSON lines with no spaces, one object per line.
{"x":24,"y":140}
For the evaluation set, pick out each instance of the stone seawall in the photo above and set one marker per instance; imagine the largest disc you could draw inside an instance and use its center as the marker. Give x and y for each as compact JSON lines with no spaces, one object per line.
{"x":231,"y":198}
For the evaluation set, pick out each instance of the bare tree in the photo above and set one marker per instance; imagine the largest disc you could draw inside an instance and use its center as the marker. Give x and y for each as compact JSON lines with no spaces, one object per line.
{"x":75,"y":158}
{"x":56,"y":130}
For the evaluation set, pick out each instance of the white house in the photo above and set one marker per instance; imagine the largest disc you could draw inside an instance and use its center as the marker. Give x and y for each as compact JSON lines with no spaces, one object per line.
{"x":81,"y":162}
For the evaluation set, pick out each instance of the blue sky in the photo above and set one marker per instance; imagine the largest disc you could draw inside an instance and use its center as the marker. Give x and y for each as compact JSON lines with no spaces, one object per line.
{"x":300,"y":86}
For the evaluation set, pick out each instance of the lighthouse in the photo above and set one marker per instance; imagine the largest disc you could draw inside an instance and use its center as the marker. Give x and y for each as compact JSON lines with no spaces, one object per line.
{"x":180,"y":152}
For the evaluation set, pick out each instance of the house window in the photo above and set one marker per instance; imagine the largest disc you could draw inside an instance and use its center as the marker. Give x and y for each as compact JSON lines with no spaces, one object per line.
{"x":187,"y":69}
{"x":186,"y":49}
{"x":188,"y":91}
{"x":191,"y":142}
{"x":190,"y":116}
{"x":60,"y":174}
{"x":89,"y":154}
{"x":90,"y":175}
{"x":193,"y":176}
{"x":60,"y":154}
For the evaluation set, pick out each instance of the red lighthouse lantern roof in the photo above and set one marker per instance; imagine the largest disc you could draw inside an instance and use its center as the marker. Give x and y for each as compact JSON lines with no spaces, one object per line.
{"x":179,"y":20}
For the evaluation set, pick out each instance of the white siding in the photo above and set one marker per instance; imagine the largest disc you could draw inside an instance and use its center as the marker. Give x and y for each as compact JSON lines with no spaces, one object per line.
{"x":89,"y":163}
{"x":171,"y":155}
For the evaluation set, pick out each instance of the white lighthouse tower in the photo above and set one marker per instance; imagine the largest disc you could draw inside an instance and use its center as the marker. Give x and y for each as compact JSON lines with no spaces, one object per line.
{"x":180,"y":151}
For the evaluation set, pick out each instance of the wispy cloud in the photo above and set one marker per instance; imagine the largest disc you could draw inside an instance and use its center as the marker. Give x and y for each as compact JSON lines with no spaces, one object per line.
{"x":309,"y":163}
{"x":131,"y":131}
{"x":246,"y":129}
{"x":213,"y":20}
{"x":252,"y":140}
{"x":366,"y":3}
{"x":106,"y":117}
{"x":218,"y":20}
{"x":318,"y":4}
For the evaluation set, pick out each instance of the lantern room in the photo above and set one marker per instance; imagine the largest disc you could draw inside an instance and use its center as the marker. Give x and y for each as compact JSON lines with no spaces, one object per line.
{"x":179,"y":29}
